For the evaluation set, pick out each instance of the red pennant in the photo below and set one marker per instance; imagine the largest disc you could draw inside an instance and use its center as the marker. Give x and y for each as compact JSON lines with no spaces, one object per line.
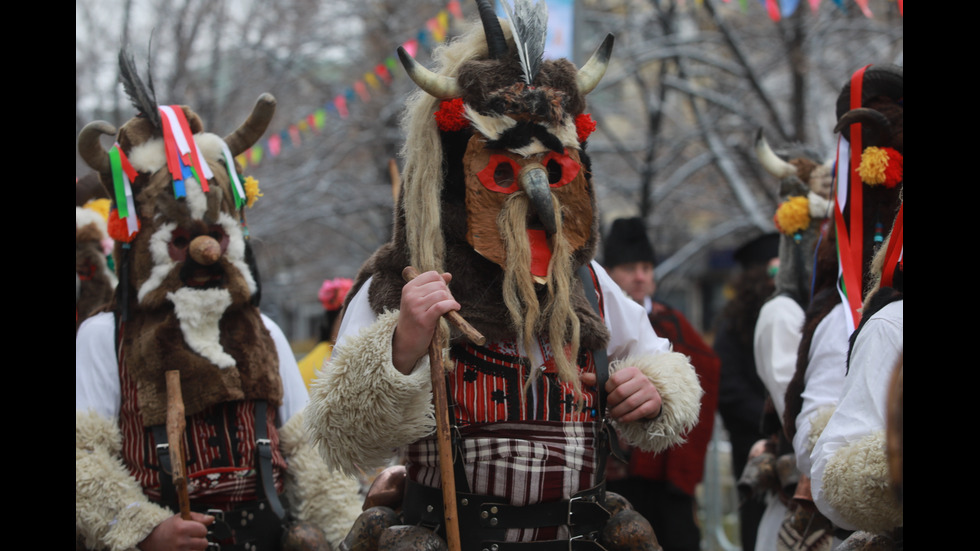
{"x":340,"y":102}
{"x":362,"y":91}
{"x":454,"y":8}
{"x":382,"y":71}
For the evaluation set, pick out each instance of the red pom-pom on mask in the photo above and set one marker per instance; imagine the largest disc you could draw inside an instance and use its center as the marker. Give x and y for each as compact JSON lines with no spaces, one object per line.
{"x":584,"y":126}
{"x":118,"y":229}
{"x":450,"y":117}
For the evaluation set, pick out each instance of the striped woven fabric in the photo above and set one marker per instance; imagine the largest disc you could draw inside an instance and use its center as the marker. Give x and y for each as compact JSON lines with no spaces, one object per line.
{"x":220,"y":446}
{"x":532,"y":449}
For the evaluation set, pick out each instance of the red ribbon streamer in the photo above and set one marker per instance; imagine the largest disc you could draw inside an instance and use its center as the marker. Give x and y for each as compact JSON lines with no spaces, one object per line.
{"x":896,"y":246}
{"x":850,"y":241}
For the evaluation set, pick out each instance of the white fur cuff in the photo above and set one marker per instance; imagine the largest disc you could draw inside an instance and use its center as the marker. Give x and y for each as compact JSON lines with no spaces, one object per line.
{"x":361,"y":408}
{"x":818,"y":422}
{"x":680,"y":391}
{"x":318,"y":495}
{"x":110,"y":508}
{"x":855,"y":484}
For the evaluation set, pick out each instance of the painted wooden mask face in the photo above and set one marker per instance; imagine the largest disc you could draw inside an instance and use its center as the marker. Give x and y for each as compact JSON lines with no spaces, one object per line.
{"x":495,"y":178}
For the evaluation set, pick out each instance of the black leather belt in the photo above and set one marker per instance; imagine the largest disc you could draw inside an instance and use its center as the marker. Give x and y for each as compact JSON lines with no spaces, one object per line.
{"x":484,"y":520}
{"x":249,"y":526}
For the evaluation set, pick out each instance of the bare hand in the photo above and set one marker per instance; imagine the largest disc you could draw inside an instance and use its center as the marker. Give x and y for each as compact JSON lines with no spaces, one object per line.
{"x":179,"y":534}
{"x":631,"y":395}
{"x":424,"y":300}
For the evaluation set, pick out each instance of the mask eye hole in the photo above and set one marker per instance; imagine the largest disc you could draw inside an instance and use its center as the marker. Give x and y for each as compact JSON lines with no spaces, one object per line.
{"x":554,"y":172}
{"x":562,"y":169}
{"x":181,"y":239}
{"x":504,"y":176}
{"x":500,"y":174}
{"x":217,"y":233}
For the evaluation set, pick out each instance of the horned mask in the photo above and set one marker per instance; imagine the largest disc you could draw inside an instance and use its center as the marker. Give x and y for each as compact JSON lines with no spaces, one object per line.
{"x":186,"y":291}
{"x":508,"y":163}
{"x":525,"y":119}
{"x":804,"y":192}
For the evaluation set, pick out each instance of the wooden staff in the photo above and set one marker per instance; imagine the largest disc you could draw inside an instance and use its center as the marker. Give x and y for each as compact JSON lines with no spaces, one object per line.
{"x":175,"y":436}
{"x":396,"y":179}
{"x":441,"y":406}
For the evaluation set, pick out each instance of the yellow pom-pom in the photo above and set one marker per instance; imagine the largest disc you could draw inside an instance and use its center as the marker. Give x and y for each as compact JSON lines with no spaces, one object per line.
{"x":874,"y":162}
{"x":100,"y":206}
{"x":793,"y":215}
{"x":252,"y":192}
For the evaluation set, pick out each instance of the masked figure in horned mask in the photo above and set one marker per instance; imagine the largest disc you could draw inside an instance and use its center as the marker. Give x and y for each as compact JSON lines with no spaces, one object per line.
{"x":187,"y":301}
{"x":498,"y":210}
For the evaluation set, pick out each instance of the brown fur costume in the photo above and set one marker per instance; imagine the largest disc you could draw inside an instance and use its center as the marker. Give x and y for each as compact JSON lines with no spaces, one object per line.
{"x":362,"y":405}
{"x":95,"y":282}
{"x":434,"y":235}
{"x":159,"y":269}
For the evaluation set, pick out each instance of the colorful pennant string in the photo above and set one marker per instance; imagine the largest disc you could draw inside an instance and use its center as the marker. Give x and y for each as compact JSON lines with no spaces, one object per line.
{"x":123,"y":175}
{"x":435,"y":31}
{"x":236,"y":184}
{"x":184,"y":159}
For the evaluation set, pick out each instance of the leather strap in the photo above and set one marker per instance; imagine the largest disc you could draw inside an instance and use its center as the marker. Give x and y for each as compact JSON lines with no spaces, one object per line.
{"x":265,"y":487}
{"x":605,"y":436}
{"x":168,"y":493}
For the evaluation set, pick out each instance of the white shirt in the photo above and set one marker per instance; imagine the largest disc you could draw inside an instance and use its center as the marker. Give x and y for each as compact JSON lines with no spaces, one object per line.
{"x":824,"y":379}
{"x":776,"y":342}
{"x":862,"y":407}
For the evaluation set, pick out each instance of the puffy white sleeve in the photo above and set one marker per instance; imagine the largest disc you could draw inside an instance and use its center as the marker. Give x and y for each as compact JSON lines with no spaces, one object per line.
{"x":628,"y":323}
{"x":633,"y":342}
{"x":849,"y":474}
{"x":776,"y":342}
{"x":824,"y":382}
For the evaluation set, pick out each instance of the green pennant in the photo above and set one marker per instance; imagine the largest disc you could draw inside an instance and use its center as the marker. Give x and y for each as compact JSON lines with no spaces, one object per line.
{"x":118,"y":182}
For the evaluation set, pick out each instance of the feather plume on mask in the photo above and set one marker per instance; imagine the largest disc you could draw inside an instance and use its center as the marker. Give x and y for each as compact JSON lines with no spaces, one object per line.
{"x":529,"y":22}
{"x":143,"y":97}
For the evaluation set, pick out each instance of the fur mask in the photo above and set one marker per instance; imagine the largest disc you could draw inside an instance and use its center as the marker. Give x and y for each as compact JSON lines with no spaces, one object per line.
{"x":503,"y":201}
{"x":185,"y":297}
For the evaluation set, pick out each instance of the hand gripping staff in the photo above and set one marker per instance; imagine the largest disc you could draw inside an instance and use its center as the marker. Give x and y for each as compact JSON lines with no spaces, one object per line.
{"x":441,"y":405}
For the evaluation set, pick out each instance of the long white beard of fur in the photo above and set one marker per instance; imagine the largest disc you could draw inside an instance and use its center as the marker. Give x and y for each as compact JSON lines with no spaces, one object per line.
{"x":519,"y":292}
{"x":199,"y":312}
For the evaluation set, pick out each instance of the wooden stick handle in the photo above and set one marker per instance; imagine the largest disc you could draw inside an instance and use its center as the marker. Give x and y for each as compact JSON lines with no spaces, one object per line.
{"x":441,"y":405}
{"x":175,"y":438}
{"x":474,"y":336}
{"x":446,"y":472}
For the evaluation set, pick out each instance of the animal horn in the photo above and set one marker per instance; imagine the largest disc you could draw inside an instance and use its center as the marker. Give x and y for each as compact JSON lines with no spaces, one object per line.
{"x":874,"y":120}
{"x":533,"y":179}
{"x":591,"y":73}
{"x":437,"y":86}
{"x":496,"y":43}
{"x":770,"y":161}
{"x":254,"y":126}
{"x":89,"y":147}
